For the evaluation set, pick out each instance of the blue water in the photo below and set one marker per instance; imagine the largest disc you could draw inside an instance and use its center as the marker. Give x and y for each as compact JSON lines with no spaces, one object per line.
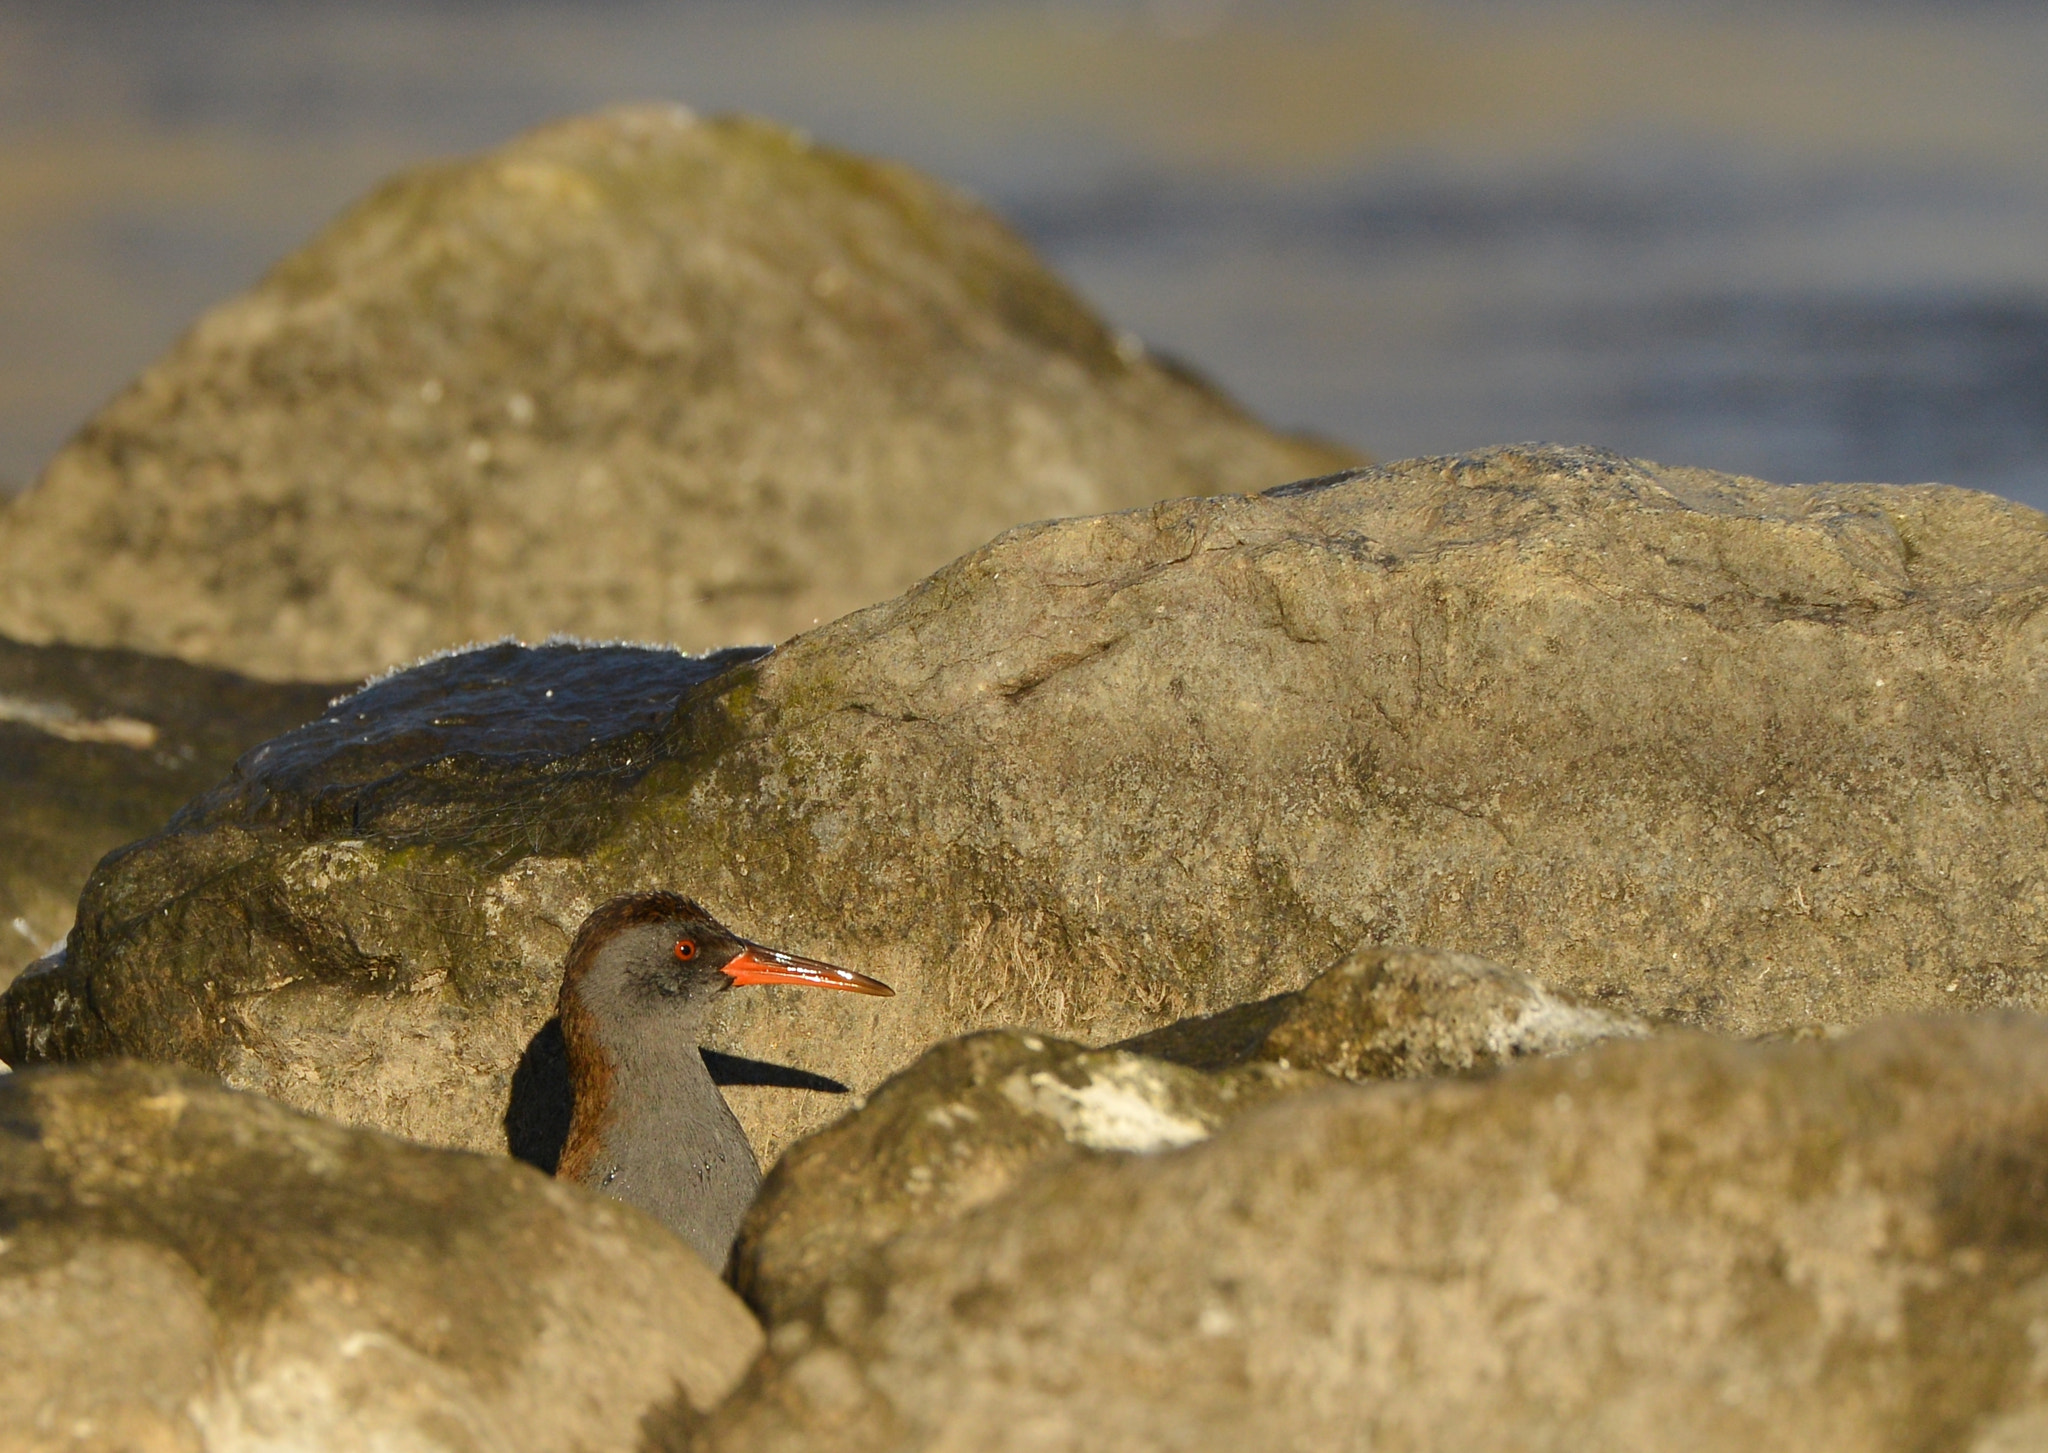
{"x":1779,"y":284}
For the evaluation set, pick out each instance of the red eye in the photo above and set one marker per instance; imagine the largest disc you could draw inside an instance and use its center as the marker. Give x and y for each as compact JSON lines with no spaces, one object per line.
{"x":685,"y":950}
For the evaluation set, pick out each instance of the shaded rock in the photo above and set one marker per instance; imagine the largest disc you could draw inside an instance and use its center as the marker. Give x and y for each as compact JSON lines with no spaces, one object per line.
{"x":955,"y":1130}
{"x":1694,"y":749}
{"x":1678,"y":1243}
{"x":634,"y":375}
{"x":185,"y":1266}
{"x":99,"y":748}
{"x":435,"y":1041}
{"x":1393,"y":1014}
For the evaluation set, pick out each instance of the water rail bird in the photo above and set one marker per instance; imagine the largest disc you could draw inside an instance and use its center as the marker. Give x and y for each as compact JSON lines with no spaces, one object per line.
{"x":648,"y":1126}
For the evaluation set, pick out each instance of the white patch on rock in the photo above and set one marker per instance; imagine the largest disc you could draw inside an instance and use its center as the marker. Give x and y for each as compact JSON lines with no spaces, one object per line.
{"x":1125,"y":1105}
{"x":1546,"y":1025}
{"x":946,"y":1116}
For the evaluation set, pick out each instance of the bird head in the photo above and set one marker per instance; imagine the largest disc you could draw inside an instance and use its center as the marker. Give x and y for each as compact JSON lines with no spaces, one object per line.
{"x":660,"y":956}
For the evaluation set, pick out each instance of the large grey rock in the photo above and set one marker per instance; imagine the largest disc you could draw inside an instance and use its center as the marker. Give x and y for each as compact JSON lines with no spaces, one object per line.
{"x":1679,"y":1244}
{"x":99,"y":748}
{"x":187,"y":1267}
{"x":1694,"y":749}
{"x":955,"y":1130}
{"x":634,"y":375}
{"x":961,"y":1125}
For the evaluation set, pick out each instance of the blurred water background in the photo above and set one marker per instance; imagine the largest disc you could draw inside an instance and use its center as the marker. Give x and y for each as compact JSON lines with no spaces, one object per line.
{"x":1803,"y":240}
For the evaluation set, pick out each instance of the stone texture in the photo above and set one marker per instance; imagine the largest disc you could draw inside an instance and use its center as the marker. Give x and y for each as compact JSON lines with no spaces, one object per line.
{"x":955,"y":1130}
{"x":1393,"y":1013}
{"x":1682,"y":1244}
{"x":99,"y":748}
{"x":1695,"y":749}
{"x":419,"y":1045}
{"x":633,"y":375}
{"x":188,"y":1267}
{"x":959,"y":1126}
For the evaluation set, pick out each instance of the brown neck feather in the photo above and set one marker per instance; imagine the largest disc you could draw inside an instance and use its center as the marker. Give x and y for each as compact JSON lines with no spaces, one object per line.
{"x":591,"y":1074}
{"x":592,"y":1069}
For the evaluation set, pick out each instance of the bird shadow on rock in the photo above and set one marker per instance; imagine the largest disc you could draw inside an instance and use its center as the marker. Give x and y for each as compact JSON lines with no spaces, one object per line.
{"x":537,"y":1116}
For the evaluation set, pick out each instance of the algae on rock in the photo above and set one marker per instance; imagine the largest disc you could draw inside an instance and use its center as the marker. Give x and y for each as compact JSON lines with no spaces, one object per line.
{"x":1694,"y":749}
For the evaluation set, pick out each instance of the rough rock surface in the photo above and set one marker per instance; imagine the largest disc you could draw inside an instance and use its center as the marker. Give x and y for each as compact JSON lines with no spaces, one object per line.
{"x":633,"y":375}
{"x":1692,"y":748}
{"x":959,"y":1126}
{"x":421,"y":1045}
{"x":1393,"y":1013}
{"x":955,"y":1130}
{"x":1682,"y":1244}
{"x":99,"y":748}
{"x":188,"y":1267}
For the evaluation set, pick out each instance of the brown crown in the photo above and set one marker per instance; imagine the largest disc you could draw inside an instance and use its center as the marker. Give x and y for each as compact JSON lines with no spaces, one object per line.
{"x":628,"y":910}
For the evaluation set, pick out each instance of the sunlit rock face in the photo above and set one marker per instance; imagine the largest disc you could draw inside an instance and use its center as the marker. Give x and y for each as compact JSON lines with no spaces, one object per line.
{"x":632,"y":376}
{"x":959,"y":1128}
{"x":1393,"y":1013}
{"x":1692,"y":749}
{"x":1673,"y":1243}
{"x":974,"y":1117}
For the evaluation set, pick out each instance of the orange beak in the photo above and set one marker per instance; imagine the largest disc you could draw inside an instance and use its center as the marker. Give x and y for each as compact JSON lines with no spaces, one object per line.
{"x":756,"y":965}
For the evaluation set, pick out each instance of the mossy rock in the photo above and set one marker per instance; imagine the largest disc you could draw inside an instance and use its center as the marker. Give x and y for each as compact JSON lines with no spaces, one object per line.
{"x":1695,"y":750}
{"x":1675,"y":1243}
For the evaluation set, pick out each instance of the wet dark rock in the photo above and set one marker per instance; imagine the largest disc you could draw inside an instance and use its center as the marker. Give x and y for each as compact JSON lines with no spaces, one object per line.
{"x":512,"y":749}
{"x":1697,"y":750}
{"x":1678,"y":1242}
{"x":633,"y":375}
{"x":188,"y":1267}
{"x":393,"y":760}
{"x":99,"y":748}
